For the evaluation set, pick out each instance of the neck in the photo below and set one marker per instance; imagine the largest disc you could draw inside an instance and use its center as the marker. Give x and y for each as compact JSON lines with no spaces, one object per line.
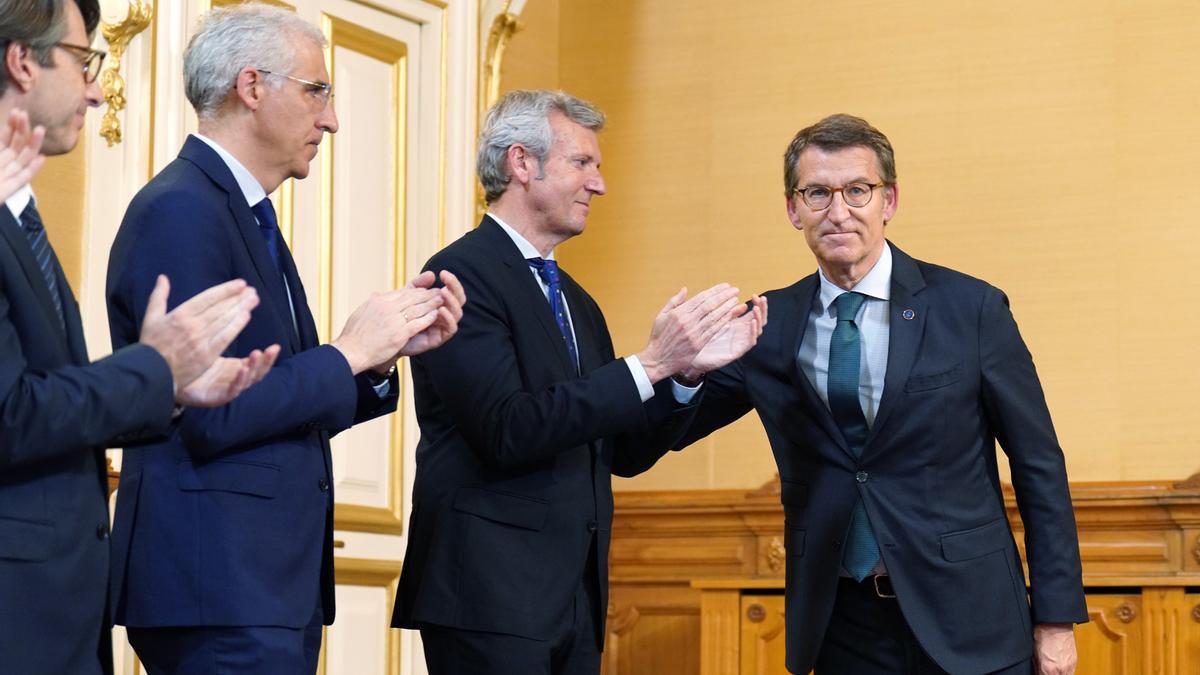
{"x":243,"y":147}
{"x":527,"y":224}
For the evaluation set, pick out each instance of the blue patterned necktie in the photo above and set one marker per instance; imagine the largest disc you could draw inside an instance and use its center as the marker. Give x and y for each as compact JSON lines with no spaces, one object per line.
{"x":269,"y":228}
{"x":548,"y":271}
{"x":845,"y":354}
{"x":35,"y":231}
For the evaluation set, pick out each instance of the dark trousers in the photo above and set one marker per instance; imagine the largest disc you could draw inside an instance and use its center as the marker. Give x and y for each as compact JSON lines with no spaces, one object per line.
{"x":221,"y":650}
{"x":575,"y":650}
{"x":867,"y":635}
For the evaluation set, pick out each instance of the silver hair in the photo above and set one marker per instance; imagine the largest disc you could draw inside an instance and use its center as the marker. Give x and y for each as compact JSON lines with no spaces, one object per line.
{"x":231,"y":38}
{"x":523,"y":118}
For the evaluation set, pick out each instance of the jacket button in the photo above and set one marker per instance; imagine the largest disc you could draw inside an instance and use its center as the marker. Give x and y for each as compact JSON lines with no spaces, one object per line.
{"x":323,"y":485}
{"x":861,"y":476}
{"x":102,"y":532}
{"x":591,"y":526}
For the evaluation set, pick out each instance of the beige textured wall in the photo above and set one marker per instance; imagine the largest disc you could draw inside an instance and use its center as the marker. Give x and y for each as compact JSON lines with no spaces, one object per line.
{"x":59,"y":187}
{"x":1050,"y":148}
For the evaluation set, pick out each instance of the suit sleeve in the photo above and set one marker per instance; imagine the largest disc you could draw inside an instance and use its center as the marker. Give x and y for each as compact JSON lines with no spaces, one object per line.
{"x":1018,"y":414}
{"x":722,"y":400}
{"x":50,"y":414}
{"x":188,"y":240}
{"x":478,"y":378}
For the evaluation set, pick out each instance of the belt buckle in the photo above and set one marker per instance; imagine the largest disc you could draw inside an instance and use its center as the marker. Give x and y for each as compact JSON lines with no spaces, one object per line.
{"x":879,"y":592}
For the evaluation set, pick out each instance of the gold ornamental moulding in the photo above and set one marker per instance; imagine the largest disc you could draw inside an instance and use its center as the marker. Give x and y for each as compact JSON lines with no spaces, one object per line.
{"x":504,"y":25}
{"x":119,"y":35}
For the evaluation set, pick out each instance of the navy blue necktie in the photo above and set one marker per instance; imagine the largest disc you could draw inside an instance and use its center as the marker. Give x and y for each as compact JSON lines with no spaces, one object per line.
{"x":548,"y":271}
{"x":269,"y":228}
{"x":845,"y":356}
{"x":35,"y":231}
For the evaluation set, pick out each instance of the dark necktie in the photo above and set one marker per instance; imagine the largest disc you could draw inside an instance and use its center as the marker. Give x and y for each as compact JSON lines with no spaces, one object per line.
{"x":548,"y":271}
{"x":269,"y":228}
{"x":31,"y":222}
{"x":862,"y":551}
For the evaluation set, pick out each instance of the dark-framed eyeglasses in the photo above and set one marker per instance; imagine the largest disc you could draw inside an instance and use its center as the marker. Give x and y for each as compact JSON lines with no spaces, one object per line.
{"x":819,"y":197}
{"x":320,"y":91}
{"x":90,"y":59}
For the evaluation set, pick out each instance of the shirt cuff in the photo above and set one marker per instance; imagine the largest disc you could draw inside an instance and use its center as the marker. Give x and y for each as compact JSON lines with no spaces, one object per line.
{"x":640,"y":378}
{"x":683,"y":393}
{"x":382,"y":389}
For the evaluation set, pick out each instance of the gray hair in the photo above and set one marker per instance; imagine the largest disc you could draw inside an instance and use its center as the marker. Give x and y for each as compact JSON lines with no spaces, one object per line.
{"x":231,"y":38}
{"x":838,"y":132}
{"x":523,"y":118}
{"x":40,"y":24}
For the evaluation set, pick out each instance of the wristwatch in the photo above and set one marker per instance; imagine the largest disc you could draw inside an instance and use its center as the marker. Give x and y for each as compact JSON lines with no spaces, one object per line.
{"x":376,"y":379}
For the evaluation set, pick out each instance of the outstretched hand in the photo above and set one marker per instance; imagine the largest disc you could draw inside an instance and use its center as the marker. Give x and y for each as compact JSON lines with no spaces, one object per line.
{"x":445,"y":325}
{"x":227,"y":378}
{"x":736,"y":338}
{"x":683,"y":327}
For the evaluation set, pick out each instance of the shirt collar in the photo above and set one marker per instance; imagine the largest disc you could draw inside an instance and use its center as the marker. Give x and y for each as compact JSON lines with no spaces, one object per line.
{"x":252,"y":190}
{"x":877,"y":284}
{"x":527,"y":249}
{"x":19,"y":200}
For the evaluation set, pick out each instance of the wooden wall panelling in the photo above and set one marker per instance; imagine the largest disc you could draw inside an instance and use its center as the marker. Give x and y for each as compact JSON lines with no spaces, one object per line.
{"x":1140,"y":545}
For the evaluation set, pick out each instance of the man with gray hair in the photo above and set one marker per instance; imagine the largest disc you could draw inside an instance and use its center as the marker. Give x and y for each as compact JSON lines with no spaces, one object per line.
{"x":223,"y":547}
{"x":58,"y":411}
{"x":527,"y":413}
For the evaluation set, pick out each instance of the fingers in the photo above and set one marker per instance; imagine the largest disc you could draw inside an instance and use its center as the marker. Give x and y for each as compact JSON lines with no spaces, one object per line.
{"x":675,"y":300}
{"x":454,"y":286}
{"x":214,"y":296}
{"x":423,"y":280}
{"x":156,"y":306}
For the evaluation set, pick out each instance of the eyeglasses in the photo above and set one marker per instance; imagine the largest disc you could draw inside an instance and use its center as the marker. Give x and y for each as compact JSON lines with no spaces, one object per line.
{"x":819,"y":197}
{"x":90,"y":59}
{"x":321,"y":92}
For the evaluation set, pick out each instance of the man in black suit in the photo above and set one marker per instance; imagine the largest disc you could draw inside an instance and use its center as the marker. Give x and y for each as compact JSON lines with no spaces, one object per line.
{"x":883,"y":384}
{"x":57,"y":410}
{"x":526,"y":413}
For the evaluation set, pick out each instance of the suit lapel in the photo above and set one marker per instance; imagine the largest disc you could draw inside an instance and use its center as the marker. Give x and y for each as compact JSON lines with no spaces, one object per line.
{"x":586,"y":331}
{"x":17,"y":241}
{"x":794,"y":324}
{"x":204,"y":157}
{"x":904,"y":335}
{"x":75,"y":341}
{"x":527,"y":288}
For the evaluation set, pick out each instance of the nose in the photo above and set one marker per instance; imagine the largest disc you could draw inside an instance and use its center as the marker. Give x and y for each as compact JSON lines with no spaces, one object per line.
{"x":595,"y":184}
{"x":838,"y":210}
{"x":327,"y":121}
{"x":92,"y":93}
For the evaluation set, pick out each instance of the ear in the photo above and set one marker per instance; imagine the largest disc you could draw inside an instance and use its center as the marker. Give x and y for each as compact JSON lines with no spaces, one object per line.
{"x":249,"y":87}
{"x":522,"y":165}
{"x":21,"y":66}
{"x":891,"y":201}
{"x":792,"y":211}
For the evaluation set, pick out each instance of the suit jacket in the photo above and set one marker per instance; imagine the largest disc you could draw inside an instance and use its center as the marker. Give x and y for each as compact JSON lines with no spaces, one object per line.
{"x":229,"y":521}
{"x":57,"y":412}
{"x":959,"y":378}
{"x":513,"y":488}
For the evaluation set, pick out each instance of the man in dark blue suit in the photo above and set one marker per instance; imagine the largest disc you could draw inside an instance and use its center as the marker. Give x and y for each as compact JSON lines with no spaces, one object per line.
{"x":527,"y":413}
{"x":884,"y":383}
{"x":58,"y":411}
{"x":223,"y":534}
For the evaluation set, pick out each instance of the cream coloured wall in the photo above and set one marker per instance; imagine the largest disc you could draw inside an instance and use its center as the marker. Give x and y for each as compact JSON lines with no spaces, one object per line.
{"x":1046,"y":147}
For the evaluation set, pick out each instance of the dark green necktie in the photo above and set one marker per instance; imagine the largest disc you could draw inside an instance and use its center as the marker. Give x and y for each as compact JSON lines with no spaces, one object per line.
{"x":845,"y":355}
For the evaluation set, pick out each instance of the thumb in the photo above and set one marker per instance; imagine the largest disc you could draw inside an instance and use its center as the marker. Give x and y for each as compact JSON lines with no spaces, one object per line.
{"x":157,"y":305}
{"x":675,"y":300}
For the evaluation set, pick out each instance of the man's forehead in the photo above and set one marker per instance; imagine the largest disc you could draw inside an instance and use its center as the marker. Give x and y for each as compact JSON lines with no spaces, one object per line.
{"x":857,"y":158}
{"x":76,"y":32}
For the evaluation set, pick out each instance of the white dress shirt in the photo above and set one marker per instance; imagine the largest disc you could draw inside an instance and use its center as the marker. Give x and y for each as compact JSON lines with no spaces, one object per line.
{"x":872,"y":322}
{"x":18,"y":201}
{"x":528,"y":250}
